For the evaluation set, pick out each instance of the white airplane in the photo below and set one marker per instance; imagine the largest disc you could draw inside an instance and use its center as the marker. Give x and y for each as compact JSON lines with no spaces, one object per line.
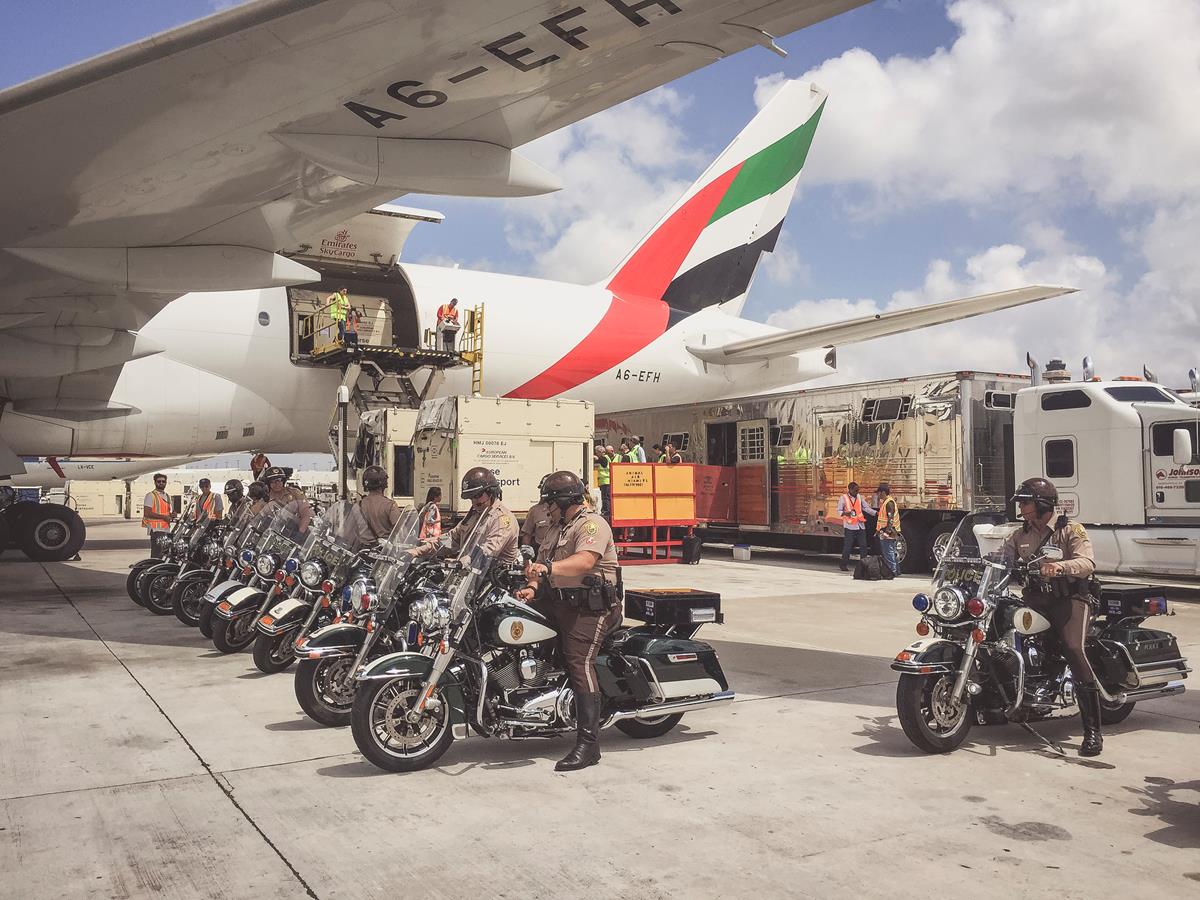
{"x":124,"y":204}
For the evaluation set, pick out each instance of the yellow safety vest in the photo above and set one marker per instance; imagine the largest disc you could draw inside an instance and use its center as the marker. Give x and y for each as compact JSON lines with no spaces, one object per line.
{"x":162,"y":507}
{"x":340,"y":304}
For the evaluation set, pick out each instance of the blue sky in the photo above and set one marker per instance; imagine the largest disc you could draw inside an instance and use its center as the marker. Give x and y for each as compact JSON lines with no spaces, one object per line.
{"x":966,"y":146}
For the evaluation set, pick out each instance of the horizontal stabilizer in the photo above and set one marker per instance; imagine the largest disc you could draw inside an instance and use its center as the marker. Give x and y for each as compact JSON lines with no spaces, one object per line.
{"x":867,"y":328}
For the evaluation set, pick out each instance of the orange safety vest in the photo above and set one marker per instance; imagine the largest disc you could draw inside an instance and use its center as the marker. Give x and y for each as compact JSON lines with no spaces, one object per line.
{"x":856,"y":516}
{"x":162,"y":507}
{"x":208,"y":506}
{"x":447,"y":313}
{"x":888,"y":518}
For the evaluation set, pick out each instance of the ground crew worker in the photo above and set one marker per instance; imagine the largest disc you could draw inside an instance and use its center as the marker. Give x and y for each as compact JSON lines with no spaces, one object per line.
{"x":281,"y":496}
{"x":378,"y":514}
{"x":258,"y":464}
{"x":236,"y":498}
{"x":497,"y":524}
{"x":338,"y":304}
{"x":673,"y":457}
{"x":1064,"y":595}
{"x":578,"y":586}
{"x":538,"y":523}
{"x":853,"y":511}
{"x":208,"y":505}
{"x":447,"y":323}
{"x":887,"y":526}
{"x":604,"y":480}
{"x":431,"y":516}
{"x":156,"y":510}
{"x":657,"y":453}
{"x":637,"y":453}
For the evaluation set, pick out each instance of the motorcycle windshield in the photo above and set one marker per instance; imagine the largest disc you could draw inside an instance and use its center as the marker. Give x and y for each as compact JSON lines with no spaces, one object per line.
{"x":476,"y":562}
{"x":249,"y":530}
{"x":198,"y":535}
{"x":284,"y":524}
{"x":392,"y":556}
{"x":338,"y":527}
{"x":184,"y":518}
{"x":963,"y":546}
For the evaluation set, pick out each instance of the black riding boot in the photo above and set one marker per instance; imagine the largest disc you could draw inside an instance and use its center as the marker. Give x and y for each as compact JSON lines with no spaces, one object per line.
{"x":1089,"y":711}
{"x":586,"y":751}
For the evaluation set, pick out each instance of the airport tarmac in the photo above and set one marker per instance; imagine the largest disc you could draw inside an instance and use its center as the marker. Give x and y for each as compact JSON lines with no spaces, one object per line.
{"x":135,"y":761}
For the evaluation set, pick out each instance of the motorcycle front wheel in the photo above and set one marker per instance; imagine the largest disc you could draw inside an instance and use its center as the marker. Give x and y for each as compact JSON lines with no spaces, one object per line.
{"x":273,"y":652}
{"x":131,"y":583}
{"x":321,"y":690}
{"x":187,"y":598}
{"x":386,"y":737}
{"x":236,"y":635}
{"x":930,"y":719}
{"x":156,"y":593}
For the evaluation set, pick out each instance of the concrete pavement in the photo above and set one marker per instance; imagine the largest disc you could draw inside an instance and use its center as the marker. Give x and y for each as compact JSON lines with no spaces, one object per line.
{"x":135,"y":761}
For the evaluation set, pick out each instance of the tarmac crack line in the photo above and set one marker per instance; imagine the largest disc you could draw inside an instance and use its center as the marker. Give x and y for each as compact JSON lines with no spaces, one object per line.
{"x":221,"y":784}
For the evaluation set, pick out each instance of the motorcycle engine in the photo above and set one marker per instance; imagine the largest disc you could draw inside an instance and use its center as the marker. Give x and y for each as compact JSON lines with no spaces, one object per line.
{"x":512,"y":669}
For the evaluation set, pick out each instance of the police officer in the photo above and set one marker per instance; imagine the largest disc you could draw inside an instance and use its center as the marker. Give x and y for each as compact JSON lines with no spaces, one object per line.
{"x":1064,"y":593}
{"x":577,"y":584}
{"x":497,"y":524}
{"x":257,"y":495}
{"x":281,"y":496}
{"x":236,"y":498}
{"x":538,"y":523}
{"x":378,"y":514}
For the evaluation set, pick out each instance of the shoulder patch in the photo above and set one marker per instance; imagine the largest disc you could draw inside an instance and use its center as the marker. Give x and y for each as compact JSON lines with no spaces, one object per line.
{"x":1078,"y":530}
{"x":505,"y":521}
{"x":590,"y":527}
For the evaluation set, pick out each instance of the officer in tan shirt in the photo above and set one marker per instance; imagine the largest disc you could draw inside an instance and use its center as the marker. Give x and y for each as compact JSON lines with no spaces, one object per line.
{"x":496,"y":523}
{"x":538,"y":523}
{"x":281,"y":496}
{"x":577,"y":584}
{"x":1063,"y":593}
{"x":377,"y":514}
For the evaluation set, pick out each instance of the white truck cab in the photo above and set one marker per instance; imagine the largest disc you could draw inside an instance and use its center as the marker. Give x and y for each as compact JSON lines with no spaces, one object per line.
{"x":1123,"y":455}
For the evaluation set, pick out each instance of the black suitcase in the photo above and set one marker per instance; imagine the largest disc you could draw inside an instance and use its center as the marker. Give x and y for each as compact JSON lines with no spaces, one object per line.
{"x":692,"y":545}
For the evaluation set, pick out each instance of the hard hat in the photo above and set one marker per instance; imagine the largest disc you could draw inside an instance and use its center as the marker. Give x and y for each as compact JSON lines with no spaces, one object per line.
{"x":1039,"y":491}
{"x":375,"y":478}
{"x":479,"y":480}
{"x":564,"y":489}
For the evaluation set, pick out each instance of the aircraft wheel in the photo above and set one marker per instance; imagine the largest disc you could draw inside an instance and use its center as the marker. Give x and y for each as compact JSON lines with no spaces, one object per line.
{"x":51,"y":533}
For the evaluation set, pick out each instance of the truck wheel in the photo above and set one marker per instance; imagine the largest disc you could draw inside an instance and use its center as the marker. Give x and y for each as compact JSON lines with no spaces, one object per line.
{"x":51,"y":533}
{"x":939,"y":542}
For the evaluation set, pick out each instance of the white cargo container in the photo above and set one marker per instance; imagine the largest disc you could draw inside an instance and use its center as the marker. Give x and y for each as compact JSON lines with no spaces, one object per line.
{"x":518,"y":440}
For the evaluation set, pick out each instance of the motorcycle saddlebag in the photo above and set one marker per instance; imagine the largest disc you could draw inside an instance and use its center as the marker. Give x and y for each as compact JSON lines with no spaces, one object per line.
{"x":1125,"y":600}
{"x":673,"y":606}
{"x":672,"y":667}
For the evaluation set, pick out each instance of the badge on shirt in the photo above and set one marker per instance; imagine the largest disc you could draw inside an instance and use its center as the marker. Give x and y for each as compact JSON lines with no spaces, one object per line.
{"x":590,"y":527}
{"x":505,"y":521}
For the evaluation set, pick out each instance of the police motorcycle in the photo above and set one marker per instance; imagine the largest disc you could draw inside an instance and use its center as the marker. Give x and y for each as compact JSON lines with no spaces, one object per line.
{"x":329,"y":558}
{"x":235,"y":615}
{"x":236,"y":569}
{"x":370,"y":620}
{"x":160,"y":544}
{"x":156,"y":582}
{"x":495,"y":669}
{"x":984,"y":658}
{"x":196,"y":571}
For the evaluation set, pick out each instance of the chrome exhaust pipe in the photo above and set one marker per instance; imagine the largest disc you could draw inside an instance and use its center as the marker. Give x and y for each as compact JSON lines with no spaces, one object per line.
{"x":1122,"y":697}
{"x":678,"y":706}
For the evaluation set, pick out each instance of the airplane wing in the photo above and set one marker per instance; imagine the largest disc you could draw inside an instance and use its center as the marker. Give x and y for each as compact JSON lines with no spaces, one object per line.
{"x":187,"y":161}
{"x":785,"y":343}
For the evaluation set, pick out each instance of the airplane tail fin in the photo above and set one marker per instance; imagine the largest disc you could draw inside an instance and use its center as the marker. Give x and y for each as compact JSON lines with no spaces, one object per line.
{"x":705,"y":249}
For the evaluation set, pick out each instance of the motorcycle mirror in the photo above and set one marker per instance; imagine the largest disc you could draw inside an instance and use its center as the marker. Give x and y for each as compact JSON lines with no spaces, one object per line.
{"x":528,"y":552}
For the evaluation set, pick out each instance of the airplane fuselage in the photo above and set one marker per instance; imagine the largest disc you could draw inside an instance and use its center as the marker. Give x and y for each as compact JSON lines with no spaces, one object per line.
{"x":227,"y":381}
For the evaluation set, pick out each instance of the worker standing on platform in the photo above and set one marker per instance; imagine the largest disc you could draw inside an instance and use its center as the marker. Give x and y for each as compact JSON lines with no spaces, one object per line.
{"x":353,"y":317}
{"x":447,"y":324}
{"x":637,"y":452}
{"x":338,"y":304}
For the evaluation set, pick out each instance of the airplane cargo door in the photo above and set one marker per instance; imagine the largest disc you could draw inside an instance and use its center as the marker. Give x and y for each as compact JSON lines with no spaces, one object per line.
{"x":753,"y":474}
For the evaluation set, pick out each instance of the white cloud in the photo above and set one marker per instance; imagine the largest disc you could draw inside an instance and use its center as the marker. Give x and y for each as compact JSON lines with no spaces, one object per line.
{"x":622,"y":169}
{"x":1032,"y":99}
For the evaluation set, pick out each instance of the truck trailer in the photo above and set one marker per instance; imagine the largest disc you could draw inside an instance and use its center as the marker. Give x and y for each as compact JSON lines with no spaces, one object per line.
{"x":776,"y":465}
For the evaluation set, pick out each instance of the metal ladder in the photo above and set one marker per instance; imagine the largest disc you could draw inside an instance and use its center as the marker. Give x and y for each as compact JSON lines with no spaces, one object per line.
{"x":472,"y":347}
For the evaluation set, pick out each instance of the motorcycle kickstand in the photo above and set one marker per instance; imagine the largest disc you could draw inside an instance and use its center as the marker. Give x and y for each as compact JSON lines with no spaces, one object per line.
{"x":1049,"y":743}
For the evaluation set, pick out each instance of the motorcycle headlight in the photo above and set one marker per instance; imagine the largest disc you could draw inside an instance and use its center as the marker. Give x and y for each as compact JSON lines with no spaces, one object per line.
{"x":429,"y":612}
{"x":230,"y":551}
{"x":311,"y":574}
{"x":247,"y":556}
{"x":948,"y":603}
{"x":265,"y":565}
{"x":180,"y":545}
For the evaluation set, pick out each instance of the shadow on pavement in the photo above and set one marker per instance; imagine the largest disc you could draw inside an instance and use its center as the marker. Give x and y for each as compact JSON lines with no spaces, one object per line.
{"x":1165,"y":799}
